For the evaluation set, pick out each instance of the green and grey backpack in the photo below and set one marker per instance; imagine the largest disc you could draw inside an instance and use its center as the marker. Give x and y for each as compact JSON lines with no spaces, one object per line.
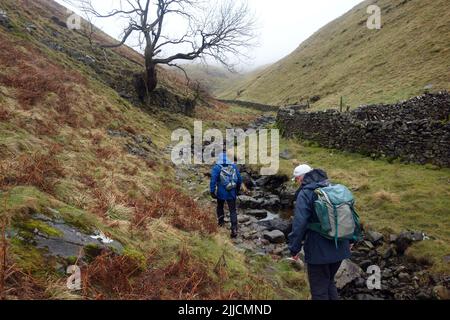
{"x":336,"y":214}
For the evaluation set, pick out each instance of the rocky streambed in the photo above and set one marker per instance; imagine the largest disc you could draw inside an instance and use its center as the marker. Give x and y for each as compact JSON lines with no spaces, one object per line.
{"x":379,"y":268}
{"x":264,"y":214}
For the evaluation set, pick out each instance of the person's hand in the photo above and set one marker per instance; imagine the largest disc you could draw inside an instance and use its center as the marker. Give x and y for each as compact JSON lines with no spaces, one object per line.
{"x":295,"y":258}
{"x":213,"y":195}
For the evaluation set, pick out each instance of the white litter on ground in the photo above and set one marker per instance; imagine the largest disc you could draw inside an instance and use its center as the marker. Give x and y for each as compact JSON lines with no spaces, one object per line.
{"x":102,"y":237}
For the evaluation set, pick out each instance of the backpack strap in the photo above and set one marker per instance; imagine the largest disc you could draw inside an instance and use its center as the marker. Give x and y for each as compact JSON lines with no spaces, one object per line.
{"x":336,"y":226}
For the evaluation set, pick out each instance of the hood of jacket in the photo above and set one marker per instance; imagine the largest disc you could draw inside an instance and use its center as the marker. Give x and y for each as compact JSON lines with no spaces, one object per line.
{"x":315,"y":179}
{"x":222,"y":159}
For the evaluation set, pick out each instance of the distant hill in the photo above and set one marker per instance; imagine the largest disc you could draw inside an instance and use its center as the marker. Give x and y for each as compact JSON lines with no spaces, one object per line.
{"x":213,"y":79}
{"x":344,"y":58}
{"x":217,"y":79}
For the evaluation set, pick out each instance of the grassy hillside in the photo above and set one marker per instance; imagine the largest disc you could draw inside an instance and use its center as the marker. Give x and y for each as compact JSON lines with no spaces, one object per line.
{"x":212,"y":79}
{"x":344,"y":58}
{"x":217,"y":79}
{"x":75,"y":155}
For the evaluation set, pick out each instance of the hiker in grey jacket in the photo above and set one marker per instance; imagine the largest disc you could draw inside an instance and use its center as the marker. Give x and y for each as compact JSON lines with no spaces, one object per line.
{"x":322,"y":255}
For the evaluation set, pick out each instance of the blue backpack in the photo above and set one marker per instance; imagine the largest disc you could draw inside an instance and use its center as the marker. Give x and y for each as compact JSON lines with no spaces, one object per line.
{"x":228,"y":177}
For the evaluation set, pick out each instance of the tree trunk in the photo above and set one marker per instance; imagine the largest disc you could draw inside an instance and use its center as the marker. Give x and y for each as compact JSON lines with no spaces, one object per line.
{"x":151,"y":79}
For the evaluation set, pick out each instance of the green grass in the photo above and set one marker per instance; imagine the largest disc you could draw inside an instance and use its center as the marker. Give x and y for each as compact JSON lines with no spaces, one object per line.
{"x":364,"y":66}
{"x":390,"y":197}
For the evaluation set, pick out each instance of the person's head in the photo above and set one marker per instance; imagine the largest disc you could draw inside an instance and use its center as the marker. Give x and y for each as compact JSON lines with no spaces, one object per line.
{"x":223,"y":159}
{"x":300,"y":171}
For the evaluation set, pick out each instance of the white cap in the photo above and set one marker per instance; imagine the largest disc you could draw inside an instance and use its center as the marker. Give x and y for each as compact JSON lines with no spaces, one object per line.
{"x":302,"y":170}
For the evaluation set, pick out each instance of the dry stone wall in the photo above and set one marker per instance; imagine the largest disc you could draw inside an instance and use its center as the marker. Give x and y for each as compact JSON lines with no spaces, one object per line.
{"x":416,"y":130}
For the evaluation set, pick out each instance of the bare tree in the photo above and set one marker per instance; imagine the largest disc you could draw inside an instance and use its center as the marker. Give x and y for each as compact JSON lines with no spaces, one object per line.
{"x":217,"y":31}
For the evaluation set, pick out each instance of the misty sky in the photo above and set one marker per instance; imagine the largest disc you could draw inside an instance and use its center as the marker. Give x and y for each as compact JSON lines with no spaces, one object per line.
{"x":282,"y":24}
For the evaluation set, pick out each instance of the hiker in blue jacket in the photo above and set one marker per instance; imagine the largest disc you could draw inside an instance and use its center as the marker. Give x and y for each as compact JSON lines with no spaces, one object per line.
{"x":323,"y":256}
{"x":225,"y":185}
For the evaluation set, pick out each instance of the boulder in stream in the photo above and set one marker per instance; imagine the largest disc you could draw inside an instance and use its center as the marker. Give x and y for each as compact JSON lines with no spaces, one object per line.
{"x":257,"y":213}
{"x":247,"y":202}
{"x":275,"y":236}
{"x":282,"y":225}
{"x":348,"y":272}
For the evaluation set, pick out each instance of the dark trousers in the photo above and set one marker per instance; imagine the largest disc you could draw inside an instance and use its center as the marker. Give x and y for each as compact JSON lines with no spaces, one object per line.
{"x":321,"y":281}
{"x":221,"y":212}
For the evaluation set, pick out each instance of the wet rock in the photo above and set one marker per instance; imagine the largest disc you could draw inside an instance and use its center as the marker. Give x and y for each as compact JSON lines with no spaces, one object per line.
{"x":286,"y":155}
{"x":247,"y":180}
{"x":399,"y":270}
{"x":366,"y":297}
{"x":365,"y":264}
{"x":441,"y":292}
{"x":87,"y":59}
{"x":4,"y":20}
{"x":53,"y":45}
{"x":360,"y":283}
{"x":390,"y":252}
{"x":287,"y":196}
{"x":136,"y":145}
{"x":403,"y":277}
{"x":247,"y":202}
{"x":298,"y":264}
{"x":278,"y":251}
{"x":142,"y":139}
{"x":275,"y":236}
{"x":243,"y":218}
{"x":412,"y":235}
{"x":422,"y":295}
{"x":70,"y":241}
{"x":248,"y":235}
{"x":30,"y":27}
{"x":387,"y":273}
{"x":57,"y":21}
{"x":259,"y":214}
{"x":348,"y":272}
{"x":117,"y":133}
{"x":278,"y":224}
{"x":393,"y":238}
{"x":272,"y":202}
{"x":272,"y":182}
{"x":368,"y":244}
{"x":374,"y":237}
{"x":405,"y":239}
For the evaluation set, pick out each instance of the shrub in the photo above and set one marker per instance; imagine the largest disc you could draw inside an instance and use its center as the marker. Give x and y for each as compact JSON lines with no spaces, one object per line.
{"x":33,"y":77}
{"x":5,"y":115}
{"x":120,"y":277}
{"x":181,"y":210}
{"x":38,"y":169}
